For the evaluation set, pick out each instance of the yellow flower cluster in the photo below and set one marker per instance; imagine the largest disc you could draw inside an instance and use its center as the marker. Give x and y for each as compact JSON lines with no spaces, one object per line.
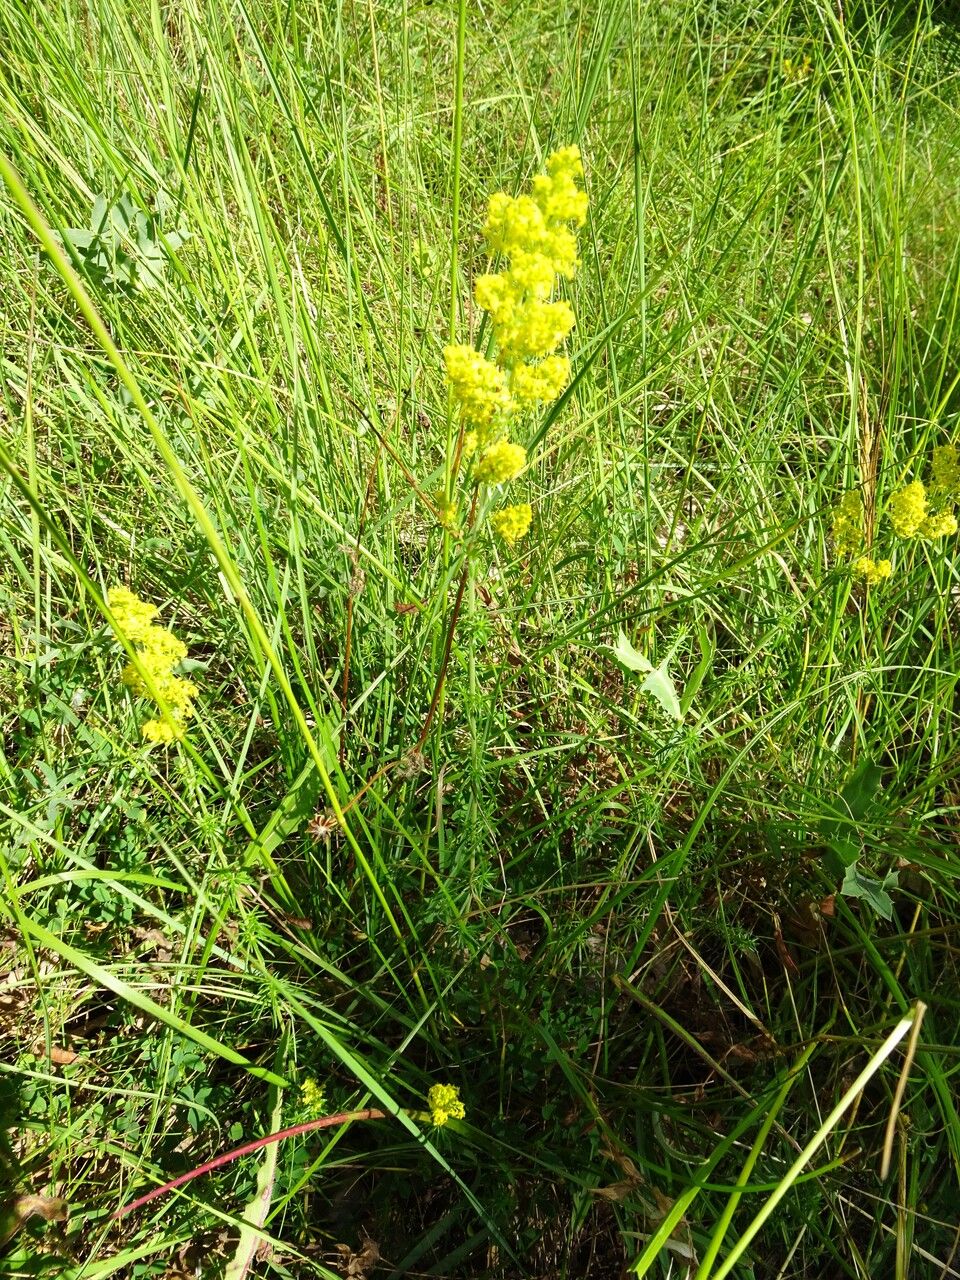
{"x":444,"y":1103}
{"x":848,"y":524}
{"x":940,"y":525}
{"x":479,"y":386}
{"x":532,"y":384}
{"x":873,"y":572}
{"x":946,"y":472}
{"x":511,"y":523}
{"x":313,"y":1096}
{"x":500,"y":463}
{"x":914,"y":511}
{"x":531,"y":231}
{"x":907,"y":509}
{"x":159,"y":653}
{"x":534,"y":234}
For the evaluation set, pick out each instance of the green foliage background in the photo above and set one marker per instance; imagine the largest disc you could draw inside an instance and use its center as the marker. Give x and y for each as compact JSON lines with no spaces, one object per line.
{"x":616,"y":931}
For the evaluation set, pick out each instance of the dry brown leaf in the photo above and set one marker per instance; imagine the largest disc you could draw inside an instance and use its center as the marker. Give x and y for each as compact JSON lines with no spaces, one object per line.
{"x":664,"y":1204}
{"x":617,"y":1192}
{"x":624,"y":1163}
{"x":356,"y":1264}
{"x":50,"y":1208}
{"x":62,"y":1057}
{"x":153,"y":940}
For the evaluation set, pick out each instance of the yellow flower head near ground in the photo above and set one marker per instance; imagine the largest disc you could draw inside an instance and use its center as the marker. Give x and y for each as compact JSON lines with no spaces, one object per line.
{"x":913,"y":511}
{"x":313,"y":1096}
{"x":796,"y":72}
{"x":159,"y":652}
{"x":534,"y":233}
{"x":444,"y":1103}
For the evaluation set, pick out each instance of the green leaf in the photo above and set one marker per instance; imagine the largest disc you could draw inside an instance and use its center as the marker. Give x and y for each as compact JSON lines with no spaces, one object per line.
{"x":861,"y":789}
{"x":631,"y":658}
{"x":99,"y":214}
{"x":859,"y":884}
{"x":657,"y":680}
{"x":79,"y":238}
{"x":255,"y":1213}
{"x":842,"y":825}
{"x":845,"y":854}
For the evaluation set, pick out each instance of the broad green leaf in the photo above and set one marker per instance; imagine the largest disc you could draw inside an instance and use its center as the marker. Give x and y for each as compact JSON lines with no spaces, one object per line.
{"x":657,"y":680}
{"x":860,"y":884}
{"x":861,"y":789}
{"x":631,"y":658}
{"x":842,"y":826}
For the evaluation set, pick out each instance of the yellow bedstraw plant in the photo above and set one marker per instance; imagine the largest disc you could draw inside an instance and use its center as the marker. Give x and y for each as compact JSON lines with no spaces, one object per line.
{"x":913,"y":511}
{"x":159,"y":653}
{"x":533,"y":233}
{"x":443,"y":1101}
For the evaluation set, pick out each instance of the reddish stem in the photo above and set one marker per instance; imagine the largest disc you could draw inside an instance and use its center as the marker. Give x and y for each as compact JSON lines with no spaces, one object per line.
{"x":308,"y":1126}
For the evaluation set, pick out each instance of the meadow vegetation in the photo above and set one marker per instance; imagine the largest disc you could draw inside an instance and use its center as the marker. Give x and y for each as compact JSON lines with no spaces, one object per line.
{"x":318,"y":799}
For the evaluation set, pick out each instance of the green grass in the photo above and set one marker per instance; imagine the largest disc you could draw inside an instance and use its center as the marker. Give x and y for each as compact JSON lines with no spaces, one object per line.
{"x":621,"y":936}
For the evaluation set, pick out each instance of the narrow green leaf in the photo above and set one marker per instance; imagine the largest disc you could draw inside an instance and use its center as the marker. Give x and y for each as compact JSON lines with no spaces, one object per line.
{"x":255,"y":1213}
{"x":140,"y":1001}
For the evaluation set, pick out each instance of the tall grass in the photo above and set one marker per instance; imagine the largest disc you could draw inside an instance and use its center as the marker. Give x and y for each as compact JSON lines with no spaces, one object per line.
{"x":620,"y":935}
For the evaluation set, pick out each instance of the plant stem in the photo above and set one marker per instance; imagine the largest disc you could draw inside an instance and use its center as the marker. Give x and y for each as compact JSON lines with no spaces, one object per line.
{"x":308,"y":1126}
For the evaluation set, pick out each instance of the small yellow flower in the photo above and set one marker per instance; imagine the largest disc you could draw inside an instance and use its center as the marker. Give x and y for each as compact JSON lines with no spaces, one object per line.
{"x":941,"y":525}
{"x":565,"y":163}
{"x":907,"y":509}
{"x":557,"y":193}
{"x":534,"y":329}
{"x":946,"y":469}
{"x":872,"y":571}
{"x":847,"y":526}
{"x":159,"y":653}
{"x":447,"y":514}
{"x":531,"y":273}
{"x":162,"y":732}
{"x":515,"y":224}
{"x":512,"y":523}
{"x":444,"y":1103}
{"x":477,"y":384}
{"x":796,"y":72}
{"x":134,"y":616}
{"x":313,"y":1096}
{"x":543,"y":382}
{"x":503,"y":461}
